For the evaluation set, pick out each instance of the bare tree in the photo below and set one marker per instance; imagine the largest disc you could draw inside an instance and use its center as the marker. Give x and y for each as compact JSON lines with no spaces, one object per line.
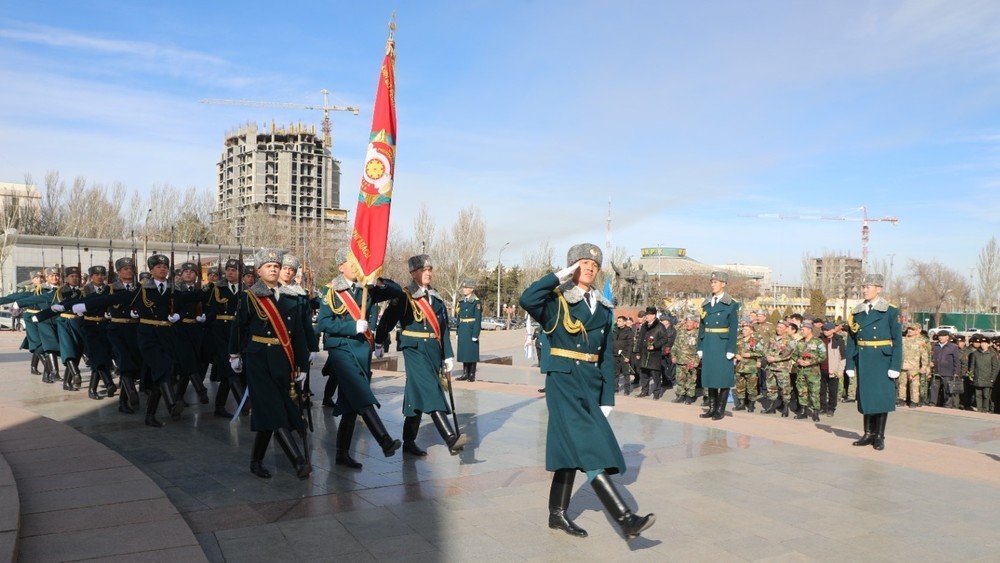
{"x":933,"y":287}
{"x":461,"y":255}
{"x":263,"y":229}
{"x":537,"y":263}
{"x":989,"y":275}
{"x":51,"y":214}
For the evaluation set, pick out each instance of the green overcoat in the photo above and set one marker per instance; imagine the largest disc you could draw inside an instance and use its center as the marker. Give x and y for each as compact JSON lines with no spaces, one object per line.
{"x":875,"y":346}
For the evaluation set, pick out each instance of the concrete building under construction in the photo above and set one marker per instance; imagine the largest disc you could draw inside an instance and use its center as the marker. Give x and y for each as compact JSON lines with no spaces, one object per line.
{"x":286,"y":172}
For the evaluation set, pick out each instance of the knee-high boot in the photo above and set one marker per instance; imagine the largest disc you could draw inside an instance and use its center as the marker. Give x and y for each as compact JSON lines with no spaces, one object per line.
{"x":454,"y":440}
{"x":77,"y":378}
{"x":345,"y":434}
{"x":109,"y":382}
{"x":174,"y":406}
{"x":125,"y":399}
{"x":47,"y":370}
{"x":411,"y":425}
{"x":260,"y":442}
{"x":472,"y":371}
{"x":869,"y":436}
{"x":374,"y":423}
{"x":721,"y":399}
{"x":465,"y":372}
{"x":34,"y":363}
{"x":197,"y":381}
{"x":73,"y":380}
{"x":221,"y":397}
{"x":878,"y":428}
{"x":151,"y":404}
{"x":713,"y":403}
{"x":54,"y":362}
{"x":291,"y":449}
{"x":95,"y":379}
{"x":631,"y":525}
{"x":559,"y":495}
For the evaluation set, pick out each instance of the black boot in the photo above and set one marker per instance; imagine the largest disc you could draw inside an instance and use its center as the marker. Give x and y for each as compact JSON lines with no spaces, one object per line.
{"x":559,"y":495}
{"x":454,"y":441}
{"x":54,"y":362}
{"x":329,"y":389}
{"x":751,"y":405}
{"x":802,"y":414}
{"x":47,"y":369}
{"x":738,"y":405}
{"x":34,"y":364}
{"x":784,"y":408}
{"x":287,"y":443}
{"x":465,"y":372}
{"x":713,"y":403}
{"x":174,"y":407}
{"x":151,"y":404}
{"x":260,"y":442}
{"x":109,"y":382}
{"x":815,"y":415}
{"x":345,"y":433}
{"x":878,"y":428}
{"x":410,"y":426}
{"x":129,"y":395}
{"x":77,"y":378}
{"x":869,"y":437}
{"x":772,"y":407}
{"x":472,"y":372}
{"x":92,"y":390}
{"x":197,"y":381}
{"x":721,"y":400}
{"x":221,"y":397}
{"x":381,"y":435}
{"x":630,"y":524}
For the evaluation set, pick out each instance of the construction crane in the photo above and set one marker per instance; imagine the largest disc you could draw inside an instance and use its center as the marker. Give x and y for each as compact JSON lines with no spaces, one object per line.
{"x":326,"y":108}
{"x":865,"y":219}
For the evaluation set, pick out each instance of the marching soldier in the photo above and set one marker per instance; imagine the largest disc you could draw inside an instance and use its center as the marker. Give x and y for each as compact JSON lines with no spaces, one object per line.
{"x":46,"y":331}
{"x":221,"y":312}
{"x":69,"y":327}
{"x":579,"y":390}
{"x":875,"y":354}
{"x":717,"y":345}
{"x":426,"y":346}
{"x":344,"y":323}
{"x":470,"y":318}
{"x":95,"y":334}
{"x":190,"y":333}
{"x":290,"y":266}
{"x":122,"y":331}
{"x":268,"y":340}
{"x":685,"y":356}
{"x":31,"y":341}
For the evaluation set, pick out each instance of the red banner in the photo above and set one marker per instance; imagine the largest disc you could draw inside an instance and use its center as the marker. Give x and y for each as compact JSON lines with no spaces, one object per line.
{"x":371,"y":221}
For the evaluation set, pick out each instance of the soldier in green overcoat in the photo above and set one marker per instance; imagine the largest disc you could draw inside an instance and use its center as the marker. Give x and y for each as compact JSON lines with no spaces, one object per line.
{"x":470,"y":319}
{"x":45,"y":330}
{"x":717,"y":345}
{"x":31,"y":341}
{"x":875,"y":354}
{"x":579,"y":389}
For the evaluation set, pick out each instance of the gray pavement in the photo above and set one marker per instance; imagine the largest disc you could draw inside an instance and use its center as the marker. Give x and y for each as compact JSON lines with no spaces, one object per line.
{"x":751,"y":487}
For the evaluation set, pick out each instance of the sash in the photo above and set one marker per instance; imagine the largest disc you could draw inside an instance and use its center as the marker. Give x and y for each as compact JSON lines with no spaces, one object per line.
{"x":428,"y":312}
{"x":355,"y":310}
{"x":271,"y":310}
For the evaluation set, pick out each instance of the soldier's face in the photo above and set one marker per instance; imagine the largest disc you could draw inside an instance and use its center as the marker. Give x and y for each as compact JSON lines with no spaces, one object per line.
{"x":871,"y":292}
{"x":188,"y":276}
{"x":423,"y":276}
{"x":269,"y":272}
{"x":97,"y":279}
{"x":159,"y":271}
{"x":717,"y":286}
{"x":586,"y":273}
{"x":692,"y":324}
{"x":232,"y":275}
{"x":73,"y":279}
{"x":781,"y":329}
{"x":287,"y":274}
{"x":53,"y":279}
{"x":127,"y":273}
{"x":466,"y":291}
{"x":747,"y":330}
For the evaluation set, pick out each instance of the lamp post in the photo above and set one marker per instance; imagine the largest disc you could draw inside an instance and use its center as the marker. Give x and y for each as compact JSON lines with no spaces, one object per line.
{"x":499,"y":255}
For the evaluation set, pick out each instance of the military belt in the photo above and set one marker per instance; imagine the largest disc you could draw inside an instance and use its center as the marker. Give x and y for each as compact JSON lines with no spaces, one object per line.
{"x":68,"y":316}
{"x":574,"y":355}
{"x":224,"y":317}
{"x":716,"y":330}
{"x":874,"y":342}
{"x":189,"y":321}
{"x":467,"y":320}
{"x":265,"y":340}
{"x":32,"y":311}
{"x":93,"y":319}
{"x":154,"y":322}
{"x":417,"y":334}
{"x":123,"y":320}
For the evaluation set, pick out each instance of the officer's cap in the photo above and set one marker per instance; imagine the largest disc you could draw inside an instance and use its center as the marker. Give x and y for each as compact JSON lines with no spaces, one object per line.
{"x":291,"y":261}
{"x":156,"y":260}
{"x":807,"y":324}
{"x":213,"y":271}
{"x":873,"y":279}
{"x":268,"y":256}
{"x":419,"y":262}
{"x":97,"y":270}
{"x":249,"y":270}
{"x":720,"y":276}
{"x":584,"y":251}
{"x":36,"y":274}
{"x":124,"y":263}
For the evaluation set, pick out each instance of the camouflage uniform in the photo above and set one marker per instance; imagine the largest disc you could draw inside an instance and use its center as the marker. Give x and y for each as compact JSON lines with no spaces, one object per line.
{"x":749,"y":350}
{"x":811,"y":352}
{"x":684,"y":353}
{"x":916,"y":363}
{"x":925,"y":376}
{"x":778,"y":352}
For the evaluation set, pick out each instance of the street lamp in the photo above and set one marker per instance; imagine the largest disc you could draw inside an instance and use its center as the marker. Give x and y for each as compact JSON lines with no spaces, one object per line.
{"x":499,"y":254}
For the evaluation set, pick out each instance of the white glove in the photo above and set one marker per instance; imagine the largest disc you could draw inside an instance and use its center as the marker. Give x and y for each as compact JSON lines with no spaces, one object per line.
{"x":59,"y":308}
{"x":15,"y":305}
{"x":133,"y":314}
{"x":236,"y":363}
{"x":606,"y":409}
{"x":34,"y":318}
{"x":893,"y":374}
{"x":699,"y":353}
{"x":107,"y":315}
{"x":475,"y":340}
{"x":173,"y":318}
{"x":566,"y":273}
{"x":361,"y":326}
{"x":730,"y":355}
{"x":300,"y":377}
{"x":80,"y":308}
{"x":849,"y":373}
{"x":312,"y":357}
{"x":200,"y":318}
{"x":14,"y":310}
{"x":378,"y":352}
{"x":449,"y":364}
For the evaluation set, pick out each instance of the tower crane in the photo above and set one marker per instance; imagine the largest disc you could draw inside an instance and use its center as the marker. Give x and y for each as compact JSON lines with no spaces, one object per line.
{"x":865,"y":219}
{"x":326,"y":108}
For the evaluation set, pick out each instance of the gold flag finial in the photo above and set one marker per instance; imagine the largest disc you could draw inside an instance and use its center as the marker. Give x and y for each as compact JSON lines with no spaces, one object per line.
{"x":392,"y":24}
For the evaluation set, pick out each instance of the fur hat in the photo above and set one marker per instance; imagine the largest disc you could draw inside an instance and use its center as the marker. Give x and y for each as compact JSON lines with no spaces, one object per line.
{"x":268,"y":255}
{"x":584,"y":251}
{"x":873,"y":279}
{"x":233,"y":263}
{"x":721,"y":276}
{"x":342,"y":255}
{"x":97,"y":270}
{"x":468,"y":283}
{"x":156,"y":260}
{"x":419,"y":262}
{"x":291,"y":261}
{"x":124,"y":263}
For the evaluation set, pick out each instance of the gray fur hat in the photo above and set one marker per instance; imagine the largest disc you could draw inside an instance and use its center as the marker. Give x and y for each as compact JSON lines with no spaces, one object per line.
{"x":50,"y":271}
{"x":468,"y":282}
{"x":232,"y":263}
{"x":584,"y":251}
{"x":291,"y":261}
{"x":156,"y":260}
{"x":873,"y":279}
{"x":342,"y":255}
{"x":268,"y":255}
{"x":189,"y":266}
{"x":124,"y":263}
{"x":419,"y":262}
{"x":99,"y":270}
{"x":721,"y":276}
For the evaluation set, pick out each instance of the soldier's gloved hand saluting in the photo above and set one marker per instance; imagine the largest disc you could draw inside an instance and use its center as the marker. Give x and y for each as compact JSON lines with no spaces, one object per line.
{"x":200,"y":318}
{"x":567,"y":273}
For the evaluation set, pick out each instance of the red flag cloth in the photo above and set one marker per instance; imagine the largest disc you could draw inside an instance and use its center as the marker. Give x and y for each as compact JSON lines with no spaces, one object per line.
{"x":371,"y":222}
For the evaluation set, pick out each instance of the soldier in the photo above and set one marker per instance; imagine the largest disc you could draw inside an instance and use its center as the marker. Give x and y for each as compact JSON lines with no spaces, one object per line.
{"x":69,"y":327}
{"x":684,"y":353}
{"x":214,"y":276}
{"x":470,"y":318}
{"x":268,"y":340}
{"x":31,"y":341}
{"x":290,"y":266}
{"x":426,"y":346}
{"x":717,"y":345}
{"x":580,"y":390}
{"x":778,"y":353}
{"x":984,"y":365}
{"x":95,"y":334}
{"x":749,"y":351}
{"x":344,"y":320}
{"x":916,"y":362}
{"x":809,"y":353}
{"x":221,"y":312}
{"x":249,"y":276}
{"x":189,"y":333}
{"x":875,"y":354}
{"x":47,"y":333}
{"x":648,"y":354}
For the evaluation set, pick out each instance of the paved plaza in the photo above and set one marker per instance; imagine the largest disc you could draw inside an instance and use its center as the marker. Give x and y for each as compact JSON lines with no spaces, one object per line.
{"x":92,"y":483}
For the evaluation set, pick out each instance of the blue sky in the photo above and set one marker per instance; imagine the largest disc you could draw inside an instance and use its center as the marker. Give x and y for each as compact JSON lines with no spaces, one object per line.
{"x":685,"y":114}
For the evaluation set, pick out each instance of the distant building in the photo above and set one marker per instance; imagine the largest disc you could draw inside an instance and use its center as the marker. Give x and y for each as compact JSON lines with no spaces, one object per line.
{"x":760,"y":273}
{"x":837,"y":276}
{"x":288,"y":172}
{"x":669,"y":261}
{"x":19,"y":194}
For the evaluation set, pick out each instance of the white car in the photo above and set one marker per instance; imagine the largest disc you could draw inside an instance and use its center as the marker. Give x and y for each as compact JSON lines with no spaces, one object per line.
{"x":933,"y":332}
{"x":489,"y":323}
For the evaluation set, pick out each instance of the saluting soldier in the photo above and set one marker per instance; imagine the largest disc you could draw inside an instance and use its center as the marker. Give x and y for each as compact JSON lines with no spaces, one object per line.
{"x":426,"y":345}
{"x":717,"y":345}
{"x":348,"y":341}
{"x":579,"y":389}
{"x":875,"y":354}
{"x":470,"y":320}
{"x":268,"y":340}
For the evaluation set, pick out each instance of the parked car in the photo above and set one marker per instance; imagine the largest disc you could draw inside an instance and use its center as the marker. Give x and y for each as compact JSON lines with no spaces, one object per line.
{"x":6,"y":320}
{"x":990,"y":333}
{"x":933,"y":332}
{"x":969,"y":331}
{"x":489,"y":323}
